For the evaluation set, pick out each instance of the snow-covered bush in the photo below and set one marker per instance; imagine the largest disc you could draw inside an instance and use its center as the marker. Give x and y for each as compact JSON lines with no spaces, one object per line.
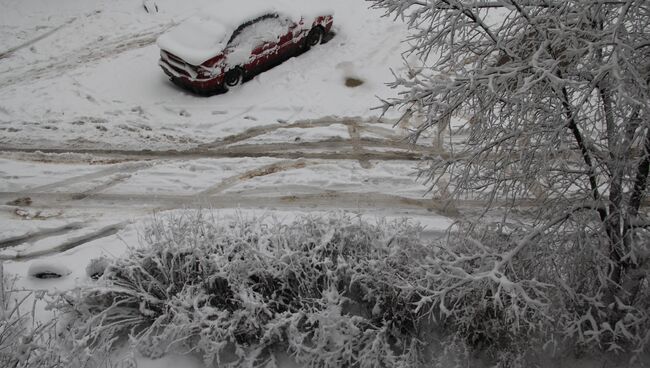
{"x":336,"y":291}
{"x":24,"y":341}
{"x":521,"y":295}
{"x":325,"y":289}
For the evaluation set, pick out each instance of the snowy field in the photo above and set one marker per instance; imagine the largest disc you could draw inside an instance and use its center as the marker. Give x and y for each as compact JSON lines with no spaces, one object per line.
{"x":93,"y":81}
{"x":94,"y":139}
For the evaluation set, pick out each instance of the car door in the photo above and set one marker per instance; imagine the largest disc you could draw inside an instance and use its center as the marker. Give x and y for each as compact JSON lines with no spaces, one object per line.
{"x":286,"y":43}
{"x":299,"y":33}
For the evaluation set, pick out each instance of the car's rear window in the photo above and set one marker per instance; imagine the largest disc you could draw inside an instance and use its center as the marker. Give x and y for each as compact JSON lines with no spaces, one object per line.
{"x":250,"y":35}
{"x":267,"y":28}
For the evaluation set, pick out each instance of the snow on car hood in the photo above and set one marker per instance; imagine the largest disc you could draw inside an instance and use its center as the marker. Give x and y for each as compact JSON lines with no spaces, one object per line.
{"x":196,"y":40}
{"x":203,"y":36}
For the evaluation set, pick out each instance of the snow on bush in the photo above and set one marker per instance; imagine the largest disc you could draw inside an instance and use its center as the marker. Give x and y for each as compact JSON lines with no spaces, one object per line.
{"x":514,"y":295}
{"x":322,"y":288}
{"x":546,"y":106}
{"x":335,"y":291}
{"x":24,"y":341}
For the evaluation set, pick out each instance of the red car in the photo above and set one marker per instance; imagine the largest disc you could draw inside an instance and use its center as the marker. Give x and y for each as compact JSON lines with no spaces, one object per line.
{"x":221,"y":49}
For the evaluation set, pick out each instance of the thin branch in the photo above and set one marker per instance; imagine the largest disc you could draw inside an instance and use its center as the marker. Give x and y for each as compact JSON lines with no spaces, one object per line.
{"x":641,"y":181}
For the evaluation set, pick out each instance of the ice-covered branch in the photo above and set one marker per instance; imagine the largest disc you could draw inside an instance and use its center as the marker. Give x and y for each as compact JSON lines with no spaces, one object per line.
{"x":544,"y":103}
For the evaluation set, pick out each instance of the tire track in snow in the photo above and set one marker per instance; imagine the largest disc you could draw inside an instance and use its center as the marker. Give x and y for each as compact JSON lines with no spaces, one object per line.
{"x":9,"y":52}
{"x":261,"y":130}
{"x":358,"y":150}
{"x":334,"y":149}
{"x":290,"y":189}
{"x":319,"y":198}
{"x":331,"y":144}
{"x":302,"y":124}
{"x":119,"y":178}
{"x":39,"y":234}
{"x":260,"y":171}
{"x":226,"y":147}
{"x":328,"y":199}
{"x":325,"y":199}
{"x":379,"y":130}
{"x":117,"y":169}
{"x":65,"y":245}
{"x":81,"y":57}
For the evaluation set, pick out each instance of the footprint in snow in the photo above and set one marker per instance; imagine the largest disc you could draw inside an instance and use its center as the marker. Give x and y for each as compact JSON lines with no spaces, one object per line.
{"x":150,"y":6}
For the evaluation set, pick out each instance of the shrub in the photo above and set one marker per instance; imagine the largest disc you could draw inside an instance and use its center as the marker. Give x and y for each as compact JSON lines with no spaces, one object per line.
{"x":335,"y":291}
{"x":24,"y":341}
{"x":321,"y":288}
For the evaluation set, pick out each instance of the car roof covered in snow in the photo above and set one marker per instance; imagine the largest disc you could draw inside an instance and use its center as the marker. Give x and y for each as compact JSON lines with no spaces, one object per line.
{"x":204,"y":35}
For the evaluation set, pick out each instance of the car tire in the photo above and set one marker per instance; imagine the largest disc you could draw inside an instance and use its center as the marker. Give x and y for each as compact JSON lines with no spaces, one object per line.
{"x":314,"y":37}
{"x":233,"y":78}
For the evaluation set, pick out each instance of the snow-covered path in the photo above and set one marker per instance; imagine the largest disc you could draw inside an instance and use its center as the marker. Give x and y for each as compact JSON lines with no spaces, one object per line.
{"x":321,"y":163}
{"x":70,"y":203}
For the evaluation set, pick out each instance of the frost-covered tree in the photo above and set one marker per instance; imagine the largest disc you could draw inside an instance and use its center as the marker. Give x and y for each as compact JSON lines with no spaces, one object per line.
{"x":548,"y":107}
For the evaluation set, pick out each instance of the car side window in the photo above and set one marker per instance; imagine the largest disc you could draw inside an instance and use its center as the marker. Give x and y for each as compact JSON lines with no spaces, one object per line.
{"x":267,"y":28}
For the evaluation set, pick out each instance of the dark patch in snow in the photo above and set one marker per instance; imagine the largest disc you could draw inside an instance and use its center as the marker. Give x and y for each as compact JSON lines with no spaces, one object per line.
{"x":97,"y":267}
{"x":47,"y":270}
{"x":328,"y":36}
{"x":47,"y":275}
{"x":24,"y":201}
{"x":353,"y":82}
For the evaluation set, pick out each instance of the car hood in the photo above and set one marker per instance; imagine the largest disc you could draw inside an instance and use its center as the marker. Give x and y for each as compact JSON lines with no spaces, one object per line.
{"x":196,"y":40}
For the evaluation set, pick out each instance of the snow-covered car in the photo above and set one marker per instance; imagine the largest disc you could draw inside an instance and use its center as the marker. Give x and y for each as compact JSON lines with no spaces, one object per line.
{"x":226,"y":45}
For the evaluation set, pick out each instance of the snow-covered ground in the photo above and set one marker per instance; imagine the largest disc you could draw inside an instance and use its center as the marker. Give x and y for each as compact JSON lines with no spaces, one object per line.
{"x":94,"y":139}
{"x":94,"y":81}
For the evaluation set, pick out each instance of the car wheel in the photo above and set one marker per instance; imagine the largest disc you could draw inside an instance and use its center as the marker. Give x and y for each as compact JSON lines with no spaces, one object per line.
{"x":314,"y":37}
{"x":233,"y":78}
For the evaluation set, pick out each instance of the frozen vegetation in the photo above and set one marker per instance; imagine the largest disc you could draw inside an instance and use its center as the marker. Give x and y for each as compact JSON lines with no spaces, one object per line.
{"x":321,"y":291}
{"x":528,"y":121}
{"x":554,"y":100}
